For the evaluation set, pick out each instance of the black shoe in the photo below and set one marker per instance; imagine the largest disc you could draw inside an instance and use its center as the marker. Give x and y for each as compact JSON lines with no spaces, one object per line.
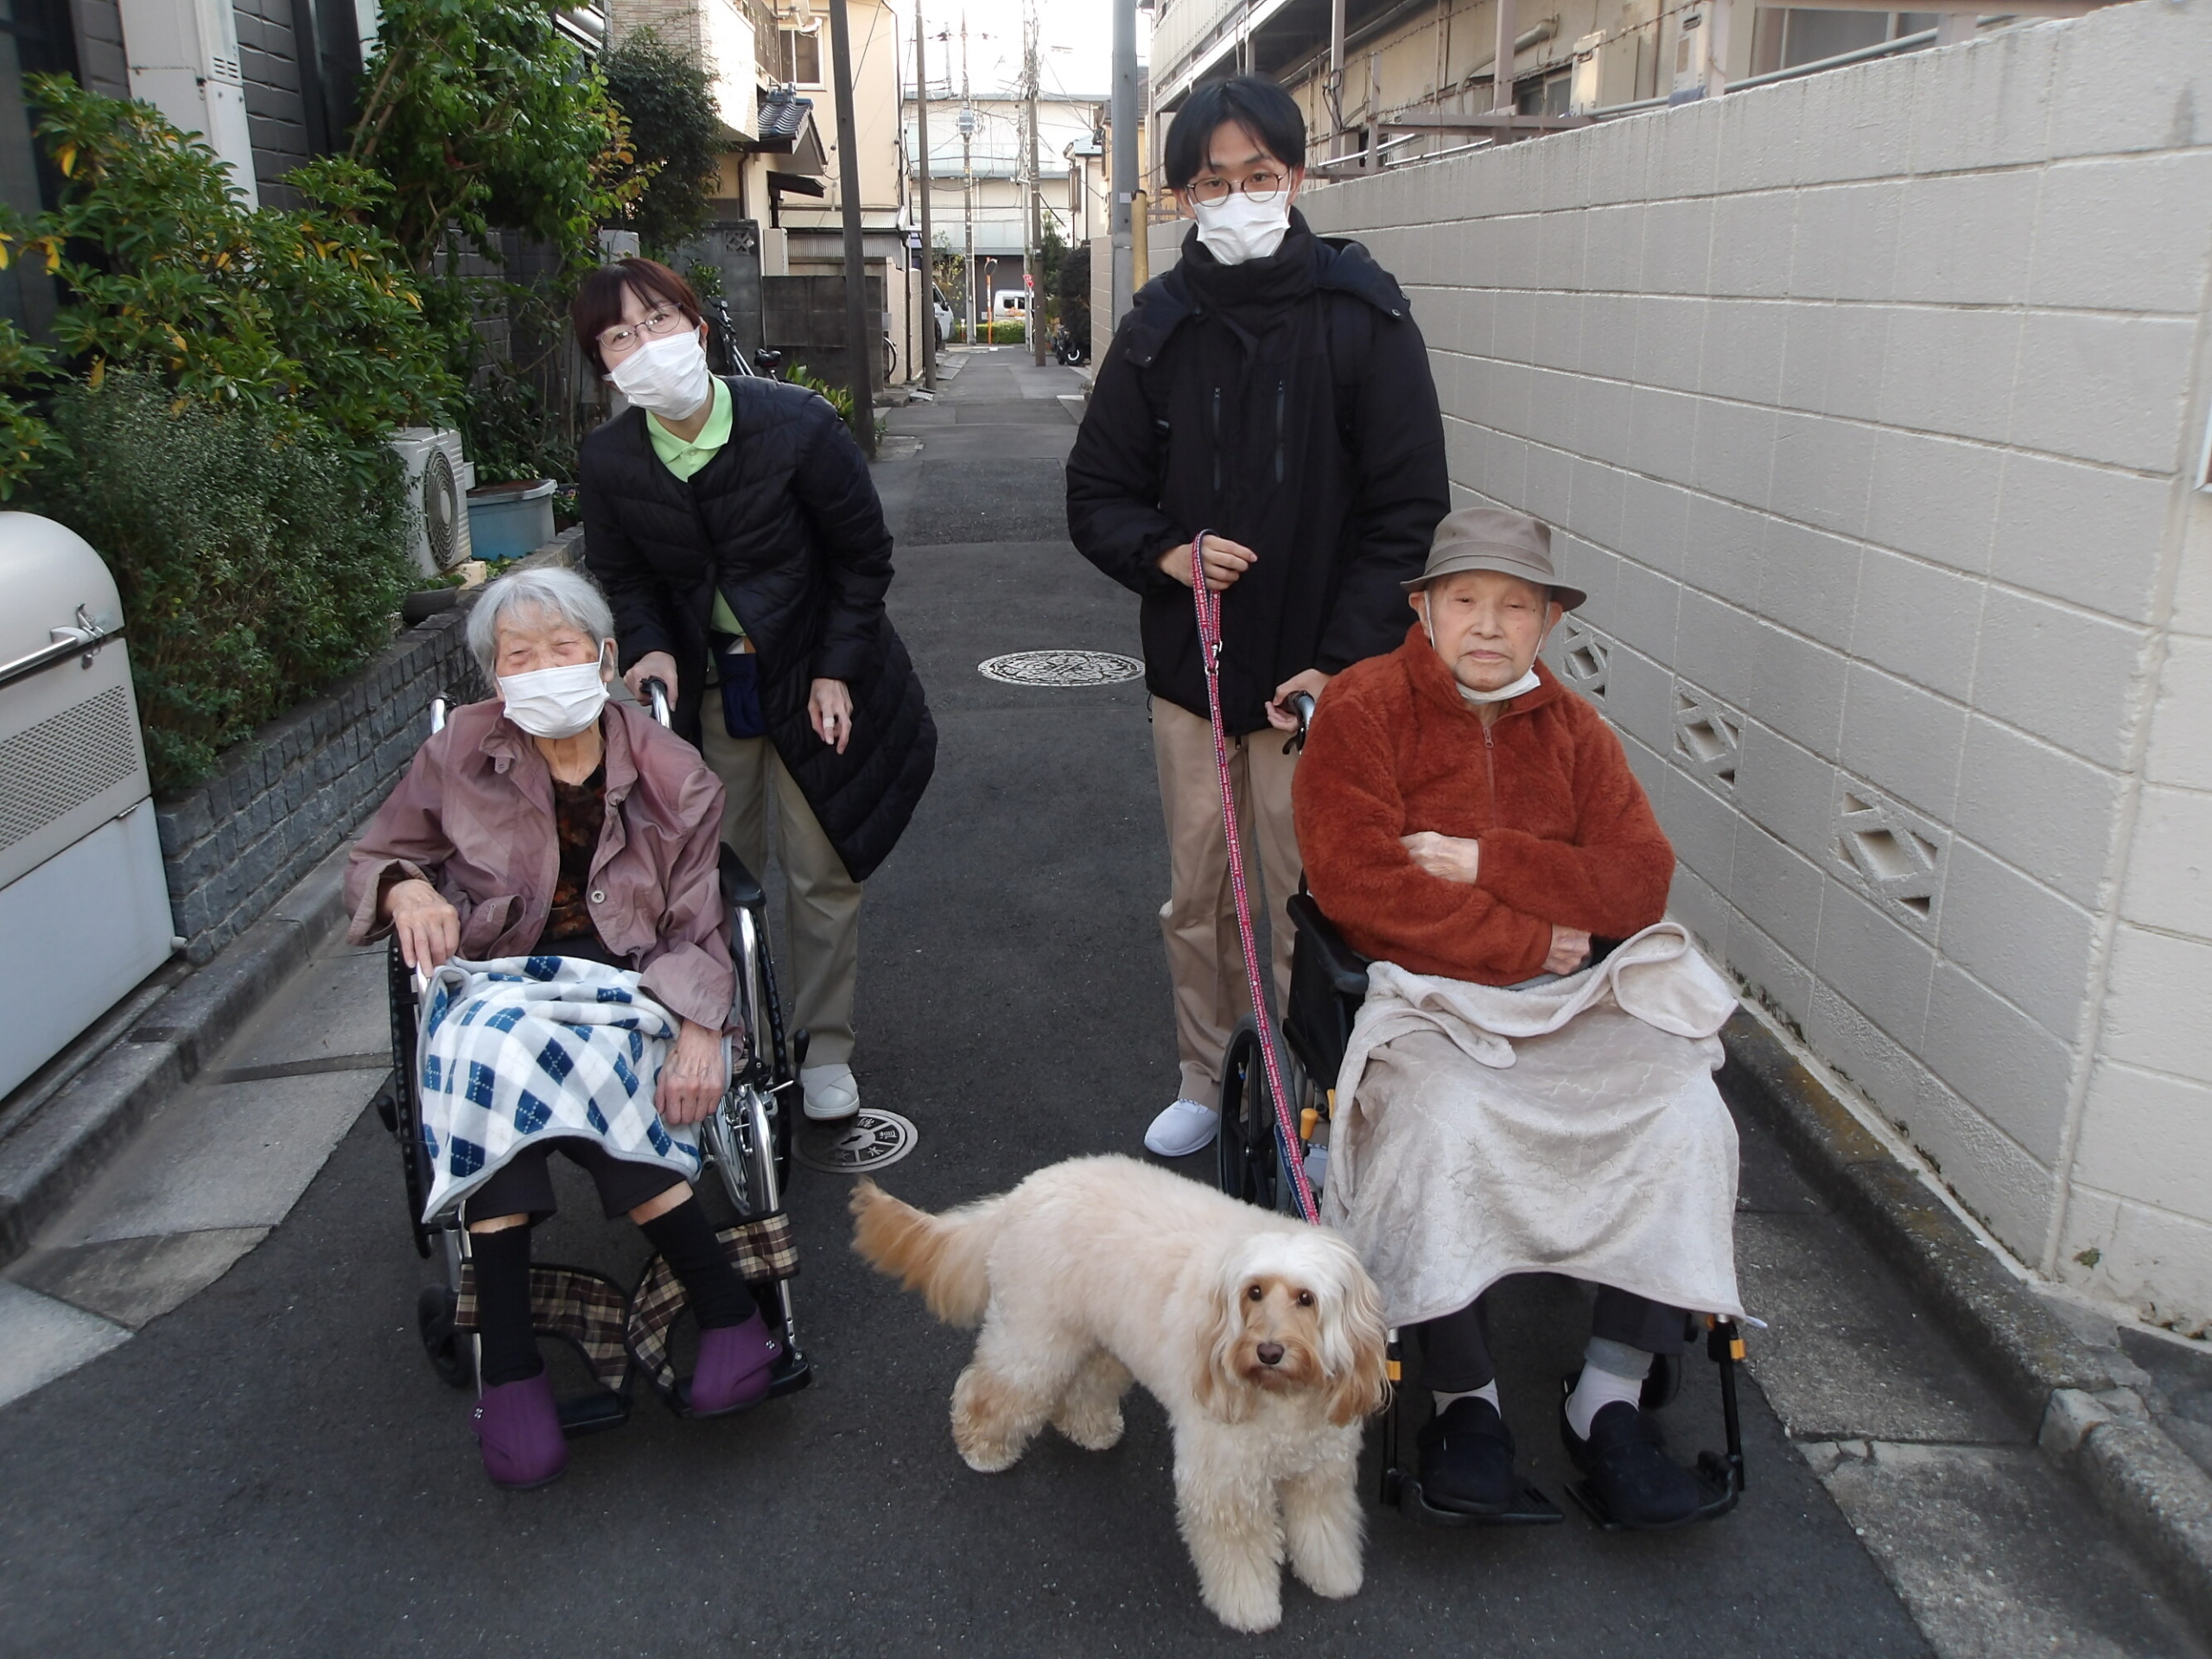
{"x":1466,"y":1460}
{"x":1626,"y":1463}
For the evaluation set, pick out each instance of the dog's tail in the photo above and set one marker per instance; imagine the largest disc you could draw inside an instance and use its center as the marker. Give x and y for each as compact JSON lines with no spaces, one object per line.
{"x":945,"y":1257}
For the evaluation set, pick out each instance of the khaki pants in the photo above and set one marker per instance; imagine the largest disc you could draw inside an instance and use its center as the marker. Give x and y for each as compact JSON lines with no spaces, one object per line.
{"x":822,"y":903}
{"x":1206,"y":959}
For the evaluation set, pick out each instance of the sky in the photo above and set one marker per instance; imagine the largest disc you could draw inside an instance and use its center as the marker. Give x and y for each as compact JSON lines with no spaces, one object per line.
{"x":1075,"y":46}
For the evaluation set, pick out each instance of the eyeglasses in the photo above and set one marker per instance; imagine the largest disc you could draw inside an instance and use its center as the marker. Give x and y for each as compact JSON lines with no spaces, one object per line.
{"x":662,"y":320}
{"x":1261,"y":186}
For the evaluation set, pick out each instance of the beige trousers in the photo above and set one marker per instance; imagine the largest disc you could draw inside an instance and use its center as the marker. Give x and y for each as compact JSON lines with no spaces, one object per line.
{"x":822,"y":903}
{"x":1206,"y":959}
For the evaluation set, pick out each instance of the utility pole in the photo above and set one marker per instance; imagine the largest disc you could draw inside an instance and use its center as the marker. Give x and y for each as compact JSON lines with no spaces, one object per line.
{"x":1125,"y":157}
{"x":1036,"y":203}
{"x":967,"y":172}
{"x":859,"y":339}
{"x":929,"y":247}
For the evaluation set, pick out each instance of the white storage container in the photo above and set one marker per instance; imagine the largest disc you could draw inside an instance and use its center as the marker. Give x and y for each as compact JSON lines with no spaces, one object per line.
{"x":84,"y":907}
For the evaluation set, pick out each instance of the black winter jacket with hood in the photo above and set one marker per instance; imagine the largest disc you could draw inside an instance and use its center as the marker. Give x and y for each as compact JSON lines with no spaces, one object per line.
{"x":1217,"y":408}
{"x":786,"y":521}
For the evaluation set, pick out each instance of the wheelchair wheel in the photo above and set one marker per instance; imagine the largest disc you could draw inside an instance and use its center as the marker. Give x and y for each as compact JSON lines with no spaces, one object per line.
{"x":452,"y":1355}
{"x":740,"y":1139}
{"x":402,"y":1112}
{"x":1249,"y":1163}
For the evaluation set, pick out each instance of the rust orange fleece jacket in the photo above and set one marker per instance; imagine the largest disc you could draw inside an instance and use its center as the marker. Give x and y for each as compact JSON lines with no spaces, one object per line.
{"x":1567,"y":835}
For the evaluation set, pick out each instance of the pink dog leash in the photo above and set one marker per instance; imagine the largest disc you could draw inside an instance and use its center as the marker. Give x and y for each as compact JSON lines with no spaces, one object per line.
{"x":1209,"y":609}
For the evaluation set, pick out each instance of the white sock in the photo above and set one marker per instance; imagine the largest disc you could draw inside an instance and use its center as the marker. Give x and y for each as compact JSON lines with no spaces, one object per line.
{"x":1598,"y":1390}
{"x":1487,"y":1391}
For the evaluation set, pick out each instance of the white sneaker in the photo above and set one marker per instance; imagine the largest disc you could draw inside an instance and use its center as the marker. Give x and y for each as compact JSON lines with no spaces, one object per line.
{"x":832,"y":1094}
{"x":1182,"y":1129}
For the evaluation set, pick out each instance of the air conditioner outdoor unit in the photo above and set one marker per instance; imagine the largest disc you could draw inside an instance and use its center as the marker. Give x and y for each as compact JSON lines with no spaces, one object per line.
{"x":437,"y":487}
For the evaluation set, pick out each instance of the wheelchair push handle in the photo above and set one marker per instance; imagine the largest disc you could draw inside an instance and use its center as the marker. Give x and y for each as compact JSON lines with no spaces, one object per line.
{"x":656,"y":694}
{"x":1299,"y":703}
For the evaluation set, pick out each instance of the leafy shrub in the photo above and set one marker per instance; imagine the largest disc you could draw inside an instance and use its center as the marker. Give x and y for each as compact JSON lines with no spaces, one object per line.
{"x":259,"y":555}
{"x":164,"y":270}
{"x":482,"y":114}
{"x":666,"y":95}
{"x":838,"y":398}
{"x":511,"y":435}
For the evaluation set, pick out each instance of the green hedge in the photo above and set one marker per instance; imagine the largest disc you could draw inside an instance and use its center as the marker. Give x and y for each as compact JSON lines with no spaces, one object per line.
{"x":259,"y":555}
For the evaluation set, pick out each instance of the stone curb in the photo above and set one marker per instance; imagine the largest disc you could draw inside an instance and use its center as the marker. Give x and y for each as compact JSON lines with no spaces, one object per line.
{"x":46,"y":1161}
{"x":2157,"y":1496}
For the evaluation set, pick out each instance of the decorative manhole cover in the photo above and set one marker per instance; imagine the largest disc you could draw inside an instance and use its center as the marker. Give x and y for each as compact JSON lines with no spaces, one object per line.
{"x":868,"y":1140}
{"x":1061,"y":668}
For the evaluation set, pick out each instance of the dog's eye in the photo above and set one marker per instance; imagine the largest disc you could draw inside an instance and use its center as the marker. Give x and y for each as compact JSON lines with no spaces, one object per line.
{"x":1253,"y":1294}
{"x":1306,"y":1299}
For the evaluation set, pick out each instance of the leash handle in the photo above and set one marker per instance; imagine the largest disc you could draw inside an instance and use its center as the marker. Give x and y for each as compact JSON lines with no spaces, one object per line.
{"x":1209,"y":613}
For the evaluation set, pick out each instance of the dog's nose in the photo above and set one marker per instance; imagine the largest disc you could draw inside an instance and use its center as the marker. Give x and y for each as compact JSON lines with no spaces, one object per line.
{"x":1270,"y":1353}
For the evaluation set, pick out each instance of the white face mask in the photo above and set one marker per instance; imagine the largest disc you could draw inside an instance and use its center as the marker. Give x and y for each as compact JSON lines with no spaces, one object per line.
{"x":1521,"y":687}
{"x":556,"y":702}
{"x":668,"y":377}
{"x":1237,"y":228}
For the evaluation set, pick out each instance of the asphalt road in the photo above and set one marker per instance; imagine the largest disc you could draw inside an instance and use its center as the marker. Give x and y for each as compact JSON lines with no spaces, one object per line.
{"x":273,"y":1468}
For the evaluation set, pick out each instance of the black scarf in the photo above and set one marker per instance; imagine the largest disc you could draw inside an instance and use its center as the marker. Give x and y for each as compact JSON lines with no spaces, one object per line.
{"x":1254,"y":295}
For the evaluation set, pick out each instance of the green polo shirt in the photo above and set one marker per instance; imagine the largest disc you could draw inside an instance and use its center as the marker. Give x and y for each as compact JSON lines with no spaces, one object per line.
{"x":684,"y":457}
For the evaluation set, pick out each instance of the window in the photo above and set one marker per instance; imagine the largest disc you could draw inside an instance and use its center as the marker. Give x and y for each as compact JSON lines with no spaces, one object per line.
{"x":1543,"y":94}
{"x":800,"y":56}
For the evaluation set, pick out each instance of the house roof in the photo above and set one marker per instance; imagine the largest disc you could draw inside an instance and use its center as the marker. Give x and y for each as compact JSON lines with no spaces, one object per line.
{"x":787,"y":129}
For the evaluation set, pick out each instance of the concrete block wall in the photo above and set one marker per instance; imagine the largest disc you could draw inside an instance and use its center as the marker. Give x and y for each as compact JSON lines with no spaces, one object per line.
{"x":290,"y":793}
{"x":1860,"y":405}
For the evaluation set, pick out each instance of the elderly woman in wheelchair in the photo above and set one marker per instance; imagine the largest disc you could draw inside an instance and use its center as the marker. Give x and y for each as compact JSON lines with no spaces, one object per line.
{"x":1518,"y":1096}
{"x":548,"y":866}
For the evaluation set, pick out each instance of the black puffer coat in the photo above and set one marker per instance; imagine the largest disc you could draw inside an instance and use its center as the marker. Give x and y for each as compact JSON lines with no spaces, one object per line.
{"x":786,"y":522}
{"x":1285,"y":403}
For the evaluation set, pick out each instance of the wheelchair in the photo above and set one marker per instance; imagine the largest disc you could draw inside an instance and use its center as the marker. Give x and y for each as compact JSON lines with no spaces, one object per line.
{"x":1328,"y":982}
{"x":622,"y":1333}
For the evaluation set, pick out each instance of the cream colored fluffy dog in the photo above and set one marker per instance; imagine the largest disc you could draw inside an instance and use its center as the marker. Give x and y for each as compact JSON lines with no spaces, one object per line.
{"x":1261,"y":1336}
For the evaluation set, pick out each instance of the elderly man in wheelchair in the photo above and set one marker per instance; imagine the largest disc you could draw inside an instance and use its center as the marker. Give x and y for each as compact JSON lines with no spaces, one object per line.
{"x":549,"y":867}
{"x":1528,"y":1085}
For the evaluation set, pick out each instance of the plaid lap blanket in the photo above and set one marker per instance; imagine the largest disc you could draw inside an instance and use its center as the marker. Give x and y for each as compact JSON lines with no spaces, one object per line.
{"x":528,"y":1049}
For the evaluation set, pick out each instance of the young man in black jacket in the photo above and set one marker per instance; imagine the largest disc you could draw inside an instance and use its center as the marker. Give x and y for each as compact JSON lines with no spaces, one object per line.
{"x":1272,"y":391}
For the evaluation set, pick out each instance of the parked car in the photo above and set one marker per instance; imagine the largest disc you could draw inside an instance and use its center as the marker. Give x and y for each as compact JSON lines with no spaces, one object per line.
{"x":942,"y":308}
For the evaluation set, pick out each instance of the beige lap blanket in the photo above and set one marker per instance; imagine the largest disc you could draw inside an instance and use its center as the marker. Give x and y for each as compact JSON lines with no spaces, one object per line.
{"x":1572,"y":1127}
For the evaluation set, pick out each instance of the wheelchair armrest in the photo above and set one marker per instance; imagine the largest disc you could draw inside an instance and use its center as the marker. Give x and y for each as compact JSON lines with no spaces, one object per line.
{"x":740,"y":885}
{"x":1346,"y":968}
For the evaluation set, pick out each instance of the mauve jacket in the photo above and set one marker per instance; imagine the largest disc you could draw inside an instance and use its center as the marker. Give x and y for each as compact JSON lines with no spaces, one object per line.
{"x":473,"y":816}
{"x":1568,"y":835}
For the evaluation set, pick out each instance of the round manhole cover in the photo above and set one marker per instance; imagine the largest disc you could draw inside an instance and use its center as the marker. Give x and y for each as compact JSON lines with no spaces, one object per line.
{"x":867,"y":1140}
{"x":1061,"y":668}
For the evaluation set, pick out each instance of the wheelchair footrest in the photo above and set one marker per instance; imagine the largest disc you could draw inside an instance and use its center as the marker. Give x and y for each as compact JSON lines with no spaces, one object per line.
{"x":1718,"y":1491}
{"x":793,"y":1372}
{"x":592,"y":1413}
{"x":1530,"y":1507}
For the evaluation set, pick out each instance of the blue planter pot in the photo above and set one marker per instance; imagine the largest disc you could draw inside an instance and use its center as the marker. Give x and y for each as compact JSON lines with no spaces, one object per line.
{"x":508,"y":520}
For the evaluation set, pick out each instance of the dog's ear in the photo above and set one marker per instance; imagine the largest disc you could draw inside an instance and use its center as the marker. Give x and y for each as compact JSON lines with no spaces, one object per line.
{"x":1355,"y":1346}
{"x":1217,"y":1389}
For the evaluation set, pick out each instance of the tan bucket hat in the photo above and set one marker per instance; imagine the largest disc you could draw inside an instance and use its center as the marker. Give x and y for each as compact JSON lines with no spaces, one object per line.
{"x":1491,"y":538}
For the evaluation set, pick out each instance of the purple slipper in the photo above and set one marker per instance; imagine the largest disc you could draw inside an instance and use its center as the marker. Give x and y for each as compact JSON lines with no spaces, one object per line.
{"x":520,"y":1428}
{"x":733,"y":1368}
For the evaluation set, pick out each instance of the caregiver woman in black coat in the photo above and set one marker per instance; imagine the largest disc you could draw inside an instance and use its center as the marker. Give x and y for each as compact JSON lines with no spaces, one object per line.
{"x":735,"y":531}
